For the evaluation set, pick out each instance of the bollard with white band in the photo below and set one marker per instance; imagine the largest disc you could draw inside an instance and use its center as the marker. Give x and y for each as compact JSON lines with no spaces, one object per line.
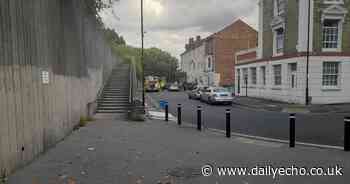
{"x":199,"y":118}
{"x":292,"y":130}
{"x":347,"y":134}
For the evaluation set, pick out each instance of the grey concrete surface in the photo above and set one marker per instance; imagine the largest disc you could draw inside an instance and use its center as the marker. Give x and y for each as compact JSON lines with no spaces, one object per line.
{"x":111,"y":151}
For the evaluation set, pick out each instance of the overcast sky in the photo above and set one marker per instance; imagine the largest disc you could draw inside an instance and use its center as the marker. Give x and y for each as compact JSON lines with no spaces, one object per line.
{"x":169,"y":23}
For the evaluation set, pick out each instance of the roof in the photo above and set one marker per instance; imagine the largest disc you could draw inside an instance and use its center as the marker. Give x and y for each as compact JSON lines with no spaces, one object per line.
{"x":237,"y":21}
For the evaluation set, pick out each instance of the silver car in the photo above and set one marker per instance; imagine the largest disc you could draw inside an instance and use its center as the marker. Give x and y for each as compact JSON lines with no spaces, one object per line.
{"x":174,"y":87}
{"x":217,"y":95}
{"x":196,"y":93}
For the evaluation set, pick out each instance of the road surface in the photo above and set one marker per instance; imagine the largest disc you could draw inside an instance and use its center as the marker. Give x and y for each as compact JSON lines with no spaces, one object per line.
{"x":324,"y":129}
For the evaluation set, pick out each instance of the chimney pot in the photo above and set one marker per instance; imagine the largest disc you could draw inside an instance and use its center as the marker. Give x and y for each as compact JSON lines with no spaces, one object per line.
{"x":187,"y":47}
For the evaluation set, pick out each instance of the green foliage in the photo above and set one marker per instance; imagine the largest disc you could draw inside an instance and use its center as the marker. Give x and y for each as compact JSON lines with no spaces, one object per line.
{"x":130,"y":55}
{"x":113,"y":37}
{"x":82,"y":122}
{"x":157,"y":62}
{"x":160,"y":63}
{"x":3,"y":176}
{"x":96,"y":6}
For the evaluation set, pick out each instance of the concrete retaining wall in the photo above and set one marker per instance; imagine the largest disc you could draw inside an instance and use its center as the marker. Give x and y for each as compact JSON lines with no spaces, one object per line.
{"x":63,"y":38}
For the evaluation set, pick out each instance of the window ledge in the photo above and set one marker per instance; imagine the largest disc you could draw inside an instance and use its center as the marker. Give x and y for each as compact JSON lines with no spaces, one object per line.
{"x":277,"y":54}
{"x":331,"y":50}
{"x":333,"y":2}
{"x":330,"y":88}
{"x":276,"y":88}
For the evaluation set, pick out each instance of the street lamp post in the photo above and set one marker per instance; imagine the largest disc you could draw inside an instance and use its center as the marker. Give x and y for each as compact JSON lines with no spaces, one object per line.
{"x":142,"y":57}
{"x":307,"y":100}
{"x":246,"y":86}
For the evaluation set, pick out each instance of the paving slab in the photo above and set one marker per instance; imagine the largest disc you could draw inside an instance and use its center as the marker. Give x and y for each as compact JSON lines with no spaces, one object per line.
{"x":115,"y":151}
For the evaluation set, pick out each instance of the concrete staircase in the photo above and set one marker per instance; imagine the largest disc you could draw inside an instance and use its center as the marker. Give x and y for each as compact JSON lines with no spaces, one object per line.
{"x":115,"y":95}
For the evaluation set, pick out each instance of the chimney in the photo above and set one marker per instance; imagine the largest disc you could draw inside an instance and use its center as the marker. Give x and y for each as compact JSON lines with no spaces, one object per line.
{"x":187,"y":47}
{"x":198,"y":38}
{"x":198,"y":41}
{"x":191,"y":42}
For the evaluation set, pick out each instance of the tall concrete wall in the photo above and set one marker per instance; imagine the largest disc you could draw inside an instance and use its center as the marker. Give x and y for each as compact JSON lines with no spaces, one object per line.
{"x":63,"y":38}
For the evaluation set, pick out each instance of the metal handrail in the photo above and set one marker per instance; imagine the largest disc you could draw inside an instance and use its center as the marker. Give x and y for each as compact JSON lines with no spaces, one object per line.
{"x":131,"y":84}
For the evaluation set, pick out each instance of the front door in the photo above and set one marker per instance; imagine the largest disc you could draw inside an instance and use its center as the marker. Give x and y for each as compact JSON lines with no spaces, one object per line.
{"x":293,"y":82}
{"x":239,"y":82}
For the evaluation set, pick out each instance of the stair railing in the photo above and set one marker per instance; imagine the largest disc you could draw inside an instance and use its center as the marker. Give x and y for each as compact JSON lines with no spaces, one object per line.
{"x":131,"y":84}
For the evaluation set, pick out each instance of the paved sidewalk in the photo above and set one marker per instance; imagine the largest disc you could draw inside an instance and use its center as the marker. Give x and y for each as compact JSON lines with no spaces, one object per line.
{"x":111,"y":151}
{"x":270,"y":105}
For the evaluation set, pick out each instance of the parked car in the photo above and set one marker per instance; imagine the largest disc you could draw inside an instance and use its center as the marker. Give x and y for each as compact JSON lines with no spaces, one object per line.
{"x":195,"y":94}
{"x":174,"y":87}
{"x":189,"y":86}
{"x":216,"y":95}
{"x":166,"y":86}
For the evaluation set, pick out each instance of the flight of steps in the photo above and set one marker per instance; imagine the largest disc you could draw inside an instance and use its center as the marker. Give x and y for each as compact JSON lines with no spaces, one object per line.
{"x":115,"y":95}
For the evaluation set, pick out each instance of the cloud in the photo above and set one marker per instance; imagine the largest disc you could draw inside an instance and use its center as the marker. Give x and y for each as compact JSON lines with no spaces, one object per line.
{"x":169,"y":23}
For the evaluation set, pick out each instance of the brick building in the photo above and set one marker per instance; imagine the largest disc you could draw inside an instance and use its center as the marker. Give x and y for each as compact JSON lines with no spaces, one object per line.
{"x":211,"y":61}
{"x":279,"y":70}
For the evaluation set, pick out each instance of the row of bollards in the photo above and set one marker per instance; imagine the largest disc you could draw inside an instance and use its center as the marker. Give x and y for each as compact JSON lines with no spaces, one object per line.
{"x":199,"y":118}
{"x":292,"y":120}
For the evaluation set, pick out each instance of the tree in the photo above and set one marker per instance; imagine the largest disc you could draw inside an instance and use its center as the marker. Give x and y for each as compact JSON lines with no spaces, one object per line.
{"x":160,"y":63}
{"x":112,"y":36}
{"x":96,"y":6}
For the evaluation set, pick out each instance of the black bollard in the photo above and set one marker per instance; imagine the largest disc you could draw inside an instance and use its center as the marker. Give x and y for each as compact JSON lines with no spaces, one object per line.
{"x":179,"y":121}
{"x":347,"y":134}
{"x":292,"y":130}
{"x":199,"y":118}
{"x":166,"y":112}
{"x":228,"y":123}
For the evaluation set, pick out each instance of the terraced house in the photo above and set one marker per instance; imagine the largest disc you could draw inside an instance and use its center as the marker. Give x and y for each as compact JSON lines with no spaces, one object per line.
{"x":208,"y":61}
{"x":279,"y":70}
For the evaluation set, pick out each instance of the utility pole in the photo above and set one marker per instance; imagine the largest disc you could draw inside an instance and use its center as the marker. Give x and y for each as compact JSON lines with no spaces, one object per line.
{"x":142,"y":57}
{"x":307,"y":102}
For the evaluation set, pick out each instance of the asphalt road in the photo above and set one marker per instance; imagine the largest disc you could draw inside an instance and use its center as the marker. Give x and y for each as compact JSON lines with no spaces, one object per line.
{"x":327,"y":129}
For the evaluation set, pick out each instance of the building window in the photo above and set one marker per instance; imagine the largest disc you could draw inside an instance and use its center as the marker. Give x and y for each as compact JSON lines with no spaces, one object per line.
{"x":263,"y":75}
{"x":245,"y":75}
{"x":279,"y":7}
{"x":292,"y":75}
{"x":279,"y":40}
{"x":331,"y":37}
{"x":277,"y":70}
{"x":209,"y":63}
{"x":253,"y":74}
{"x":330,"y":74}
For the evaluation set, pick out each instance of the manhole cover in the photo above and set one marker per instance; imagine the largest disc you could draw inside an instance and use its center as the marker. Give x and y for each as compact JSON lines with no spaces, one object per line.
{"x":185,"y":172}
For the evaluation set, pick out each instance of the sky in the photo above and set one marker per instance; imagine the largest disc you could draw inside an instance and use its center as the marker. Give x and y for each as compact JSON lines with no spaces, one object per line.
{"x":168,"y":24}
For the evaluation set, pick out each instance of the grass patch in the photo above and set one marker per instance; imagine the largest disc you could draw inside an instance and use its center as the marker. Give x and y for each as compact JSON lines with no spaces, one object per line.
{"x":90,"y":119}
{"x":83,"y":122}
